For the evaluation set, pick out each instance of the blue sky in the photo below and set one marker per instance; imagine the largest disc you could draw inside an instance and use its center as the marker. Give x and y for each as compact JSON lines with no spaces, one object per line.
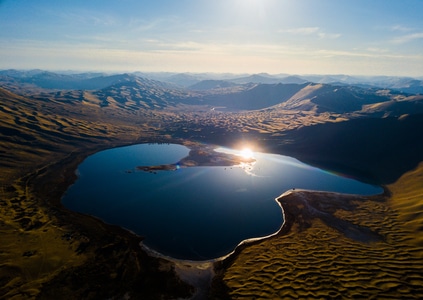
{"x":359,"y":37}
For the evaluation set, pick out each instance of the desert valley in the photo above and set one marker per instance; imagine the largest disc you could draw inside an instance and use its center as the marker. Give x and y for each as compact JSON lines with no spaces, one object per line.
{"x":331,"y":245}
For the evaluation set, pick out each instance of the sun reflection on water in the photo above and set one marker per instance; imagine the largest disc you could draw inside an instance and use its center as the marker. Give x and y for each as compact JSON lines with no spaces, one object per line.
{"x":247,"y":153}
{"x":248,"y":158}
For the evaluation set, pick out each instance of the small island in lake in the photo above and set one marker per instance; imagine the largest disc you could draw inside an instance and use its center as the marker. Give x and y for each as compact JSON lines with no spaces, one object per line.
{"x":201,"y":156}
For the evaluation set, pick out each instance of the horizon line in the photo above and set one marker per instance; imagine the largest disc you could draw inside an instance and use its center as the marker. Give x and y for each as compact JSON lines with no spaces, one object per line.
{"x":115,"y":72}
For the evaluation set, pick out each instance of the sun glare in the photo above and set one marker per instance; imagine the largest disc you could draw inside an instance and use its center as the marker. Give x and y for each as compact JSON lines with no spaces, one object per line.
{"x":247,"y":153}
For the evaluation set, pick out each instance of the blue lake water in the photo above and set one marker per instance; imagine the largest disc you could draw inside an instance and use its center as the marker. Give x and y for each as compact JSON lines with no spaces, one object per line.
{"x":197,"y":213}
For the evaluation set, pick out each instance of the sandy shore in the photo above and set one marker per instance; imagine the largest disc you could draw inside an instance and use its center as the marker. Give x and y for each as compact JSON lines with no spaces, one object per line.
{"x":200,"y":274}
{"x":332,"y":246}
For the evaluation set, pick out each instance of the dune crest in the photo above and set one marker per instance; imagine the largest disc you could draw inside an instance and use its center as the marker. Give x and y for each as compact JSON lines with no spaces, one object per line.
{"x":332,"y":246}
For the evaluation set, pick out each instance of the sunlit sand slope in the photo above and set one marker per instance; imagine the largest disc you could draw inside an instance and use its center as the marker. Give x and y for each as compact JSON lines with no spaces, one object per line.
{"x":332,"y":246}
{"x":408,"y":200}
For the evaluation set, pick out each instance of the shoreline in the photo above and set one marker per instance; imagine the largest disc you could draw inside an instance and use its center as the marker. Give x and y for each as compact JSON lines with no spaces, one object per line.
{"x":198,"y":273}
{"x":201,"y":274}
{"x":385,"y":192}
{"x":90,"y":241}
{"x":220,"y":258}
{"x":185,"y":265}
{"x":333,"y":244}
{"x":195,"y":276}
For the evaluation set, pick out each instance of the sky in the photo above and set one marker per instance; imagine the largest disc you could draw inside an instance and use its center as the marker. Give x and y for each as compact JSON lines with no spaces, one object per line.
{"x":359,"y":37}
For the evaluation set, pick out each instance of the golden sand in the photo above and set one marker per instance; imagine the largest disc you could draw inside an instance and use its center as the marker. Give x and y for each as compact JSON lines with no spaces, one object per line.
{"x":366,"y":248}
{"x":408,"y":201}
{"x":336,"y":246}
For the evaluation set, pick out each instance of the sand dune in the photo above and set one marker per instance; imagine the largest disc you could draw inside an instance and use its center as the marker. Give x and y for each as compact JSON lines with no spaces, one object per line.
{"x":333,"y":246}
{"x":407,"y":200}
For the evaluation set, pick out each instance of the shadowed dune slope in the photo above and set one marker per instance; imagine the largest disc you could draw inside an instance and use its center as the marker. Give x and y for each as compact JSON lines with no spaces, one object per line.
{"x":380,"y":150}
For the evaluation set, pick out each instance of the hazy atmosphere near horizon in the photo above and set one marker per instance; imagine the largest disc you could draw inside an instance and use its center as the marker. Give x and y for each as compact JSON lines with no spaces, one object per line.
{"x":358,"y":37}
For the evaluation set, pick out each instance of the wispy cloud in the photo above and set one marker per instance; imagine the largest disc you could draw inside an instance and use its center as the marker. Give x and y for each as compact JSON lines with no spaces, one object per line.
{"x":377,"y":50}
{"x":400,"y":28}
{"x":180,"y":55}
{"x":361,"y":54}
{"x":407,"y":38}
{"x":331,"y":36}
{"x":313,"y":31}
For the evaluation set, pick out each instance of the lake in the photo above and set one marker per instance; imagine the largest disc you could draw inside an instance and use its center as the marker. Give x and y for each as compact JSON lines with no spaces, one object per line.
{"x":196,"y":213}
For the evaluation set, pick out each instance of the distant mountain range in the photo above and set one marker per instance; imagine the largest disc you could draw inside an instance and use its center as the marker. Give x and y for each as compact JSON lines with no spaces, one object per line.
{"x":334,"y":94}
{"x":401,"y":84}
{"x":95,"y":81}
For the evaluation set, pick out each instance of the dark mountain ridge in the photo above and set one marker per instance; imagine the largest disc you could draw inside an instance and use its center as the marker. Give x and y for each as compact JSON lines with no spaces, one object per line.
{"x":379,"y":149}
{"x":258,"y":97}
{"x":342,"y":99}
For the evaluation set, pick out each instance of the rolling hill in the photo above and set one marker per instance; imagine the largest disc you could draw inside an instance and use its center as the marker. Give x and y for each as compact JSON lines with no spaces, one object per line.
{"x":135,"y":92}
{"x":48,"y":251}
